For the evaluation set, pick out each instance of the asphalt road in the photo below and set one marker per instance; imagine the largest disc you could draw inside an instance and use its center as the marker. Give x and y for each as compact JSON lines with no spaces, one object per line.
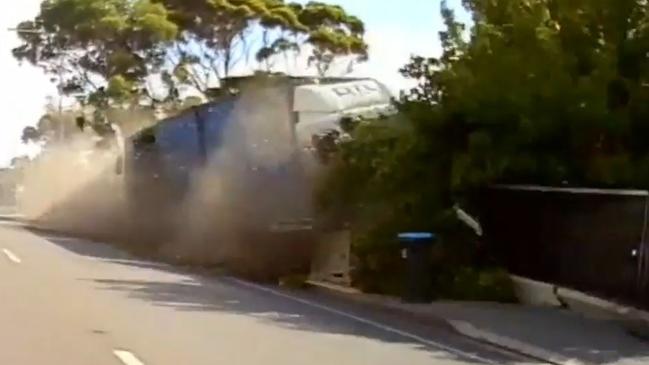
{"x":73,"y":302}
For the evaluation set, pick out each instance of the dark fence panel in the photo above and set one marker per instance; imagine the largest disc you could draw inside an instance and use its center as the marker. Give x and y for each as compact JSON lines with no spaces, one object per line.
{"x":590,"y":240}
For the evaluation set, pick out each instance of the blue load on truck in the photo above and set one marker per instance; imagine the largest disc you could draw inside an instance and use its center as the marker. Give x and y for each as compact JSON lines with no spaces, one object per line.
{"x":169,"y":153}
{"x":253,"y":145}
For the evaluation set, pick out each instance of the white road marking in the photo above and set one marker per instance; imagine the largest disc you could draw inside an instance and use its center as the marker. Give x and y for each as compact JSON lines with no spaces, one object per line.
{"x":11,"y":256}
{"x":127,"y":357}
{"x":366,"y":321}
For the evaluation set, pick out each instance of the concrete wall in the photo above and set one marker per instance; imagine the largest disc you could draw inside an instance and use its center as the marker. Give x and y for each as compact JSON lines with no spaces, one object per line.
{"x":331,"y":259}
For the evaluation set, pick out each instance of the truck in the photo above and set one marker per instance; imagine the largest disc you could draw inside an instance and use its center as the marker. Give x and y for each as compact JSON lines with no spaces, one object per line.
{"x":230,"y":181}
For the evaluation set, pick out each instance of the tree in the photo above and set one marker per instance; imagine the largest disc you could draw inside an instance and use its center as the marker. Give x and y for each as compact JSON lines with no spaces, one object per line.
{"x":550,"y":92}
{"x":281,"y":28}
{"x":112,"y":52}
{"x":54,"y":125}
{"x":31,"y":134}
{"x":213,"y":35}
{"x":217,"y":35}
{"x":332,"y":34}
{"x":103,"y":50}
{"x":328,"y":30}
{"x":541,"y":92}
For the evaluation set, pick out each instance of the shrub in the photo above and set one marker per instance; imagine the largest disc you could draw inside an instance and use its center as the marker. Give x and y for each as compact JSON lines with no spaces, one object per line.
{"x":473,"y":284}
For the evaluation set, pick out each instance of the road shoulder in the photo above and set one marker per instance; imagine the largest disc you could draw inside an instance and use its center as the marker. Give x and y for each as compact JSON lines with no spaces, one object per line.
{"x":552,"y":335}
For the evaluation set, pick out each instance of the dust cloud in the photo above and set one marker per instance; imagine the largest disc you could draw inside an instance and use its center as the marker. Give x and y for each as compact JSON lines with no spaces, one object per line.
{"x":251,"y":182}
{"x":73,"y":187}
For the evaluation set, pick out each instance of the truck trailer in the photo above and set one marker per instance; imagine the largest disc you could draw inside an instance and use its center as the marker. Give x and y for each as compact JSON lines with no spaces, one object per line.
{"x":230,"y":181}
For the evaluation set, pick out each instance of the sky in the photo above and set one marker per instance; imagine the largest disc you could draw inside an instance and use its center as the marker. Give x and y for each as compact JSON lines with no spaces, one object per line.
{"x":395,"y":31}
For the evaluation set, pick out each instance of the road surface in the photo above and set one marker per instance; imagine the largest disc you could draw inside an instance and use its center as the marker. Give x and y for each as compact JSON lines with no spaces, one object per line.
{"x":73,"y":302}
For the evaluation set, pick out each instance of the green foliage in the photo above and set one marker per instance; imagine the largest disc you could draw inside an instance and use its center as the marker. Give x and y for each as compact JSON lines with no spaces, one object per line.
{"x":216,"y":35}
{"x":31,"y":134}
{"x":556,"y":89}
{"x":294,"y":281}
{"x":52,"y":126}
{"x":379,"y":268}
{"x":89,"y":45}
{"x":535,"y":92}
{"x":93,"y":47}
{"x":465,"y":283}
{"x":119,"y":88}
{"x":332,"y":33}
{"x":542,"y":92}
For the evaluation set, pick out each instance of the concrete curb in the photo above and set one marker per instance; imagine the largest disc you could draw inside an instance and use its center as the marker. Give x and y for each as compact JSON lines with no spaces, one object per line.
{"x":574,"y":298}
{"x":463,"y":328}
{"x":383,"y":302}
{"x":634,"y":320}
{"x":469,"y":330}
{"x":537,"y":293}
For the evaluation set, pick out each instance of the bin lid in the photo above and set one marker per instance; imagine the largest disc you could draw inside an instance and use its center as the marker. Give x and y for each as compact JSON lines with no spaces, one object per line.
{"x":416,"y":236}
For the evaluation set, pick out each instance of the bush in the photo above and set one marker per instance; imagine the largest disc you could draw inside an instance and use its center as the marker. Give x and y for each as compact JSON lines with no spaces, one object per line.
{"x":376,"y":263}
{"x":457,"y":270}
{"x":378,"y":268}
{"x":472,"y":284}
{"x":294,"y":281}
